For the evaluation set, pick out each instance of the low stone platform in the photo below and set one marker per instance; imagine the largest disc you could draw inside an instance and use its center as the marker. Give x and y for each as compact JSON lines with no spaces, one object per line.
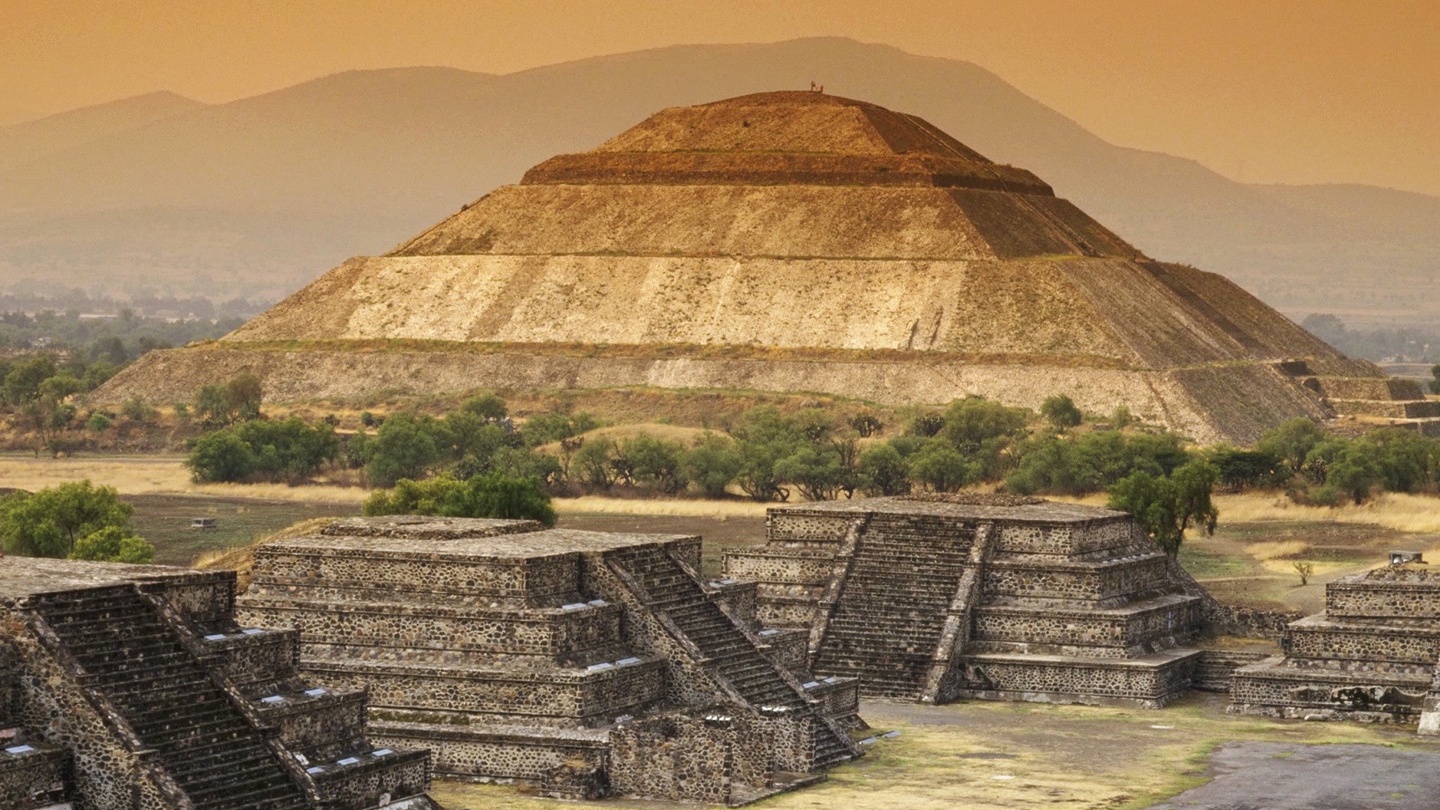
{"x":132,"y":688}
{"x":988,"y":597}
{"x":1370,"y":656}
{"x":547,"y":655}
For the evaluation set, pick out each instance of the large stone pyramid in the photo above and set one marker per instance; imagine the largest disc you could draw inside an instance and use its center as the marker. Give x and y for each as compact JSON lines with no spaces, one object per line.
{"x":788,"y":241}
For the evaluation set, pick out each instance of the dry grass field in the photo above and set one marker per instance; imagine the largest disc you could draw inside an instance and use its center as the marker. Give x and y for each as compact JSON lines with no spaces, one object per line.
{"x":1014,"y":756}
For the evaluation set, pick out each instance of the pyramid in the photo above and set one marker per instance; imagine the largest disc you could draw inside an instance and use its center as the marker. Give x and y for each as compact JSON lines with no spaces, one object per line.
{"x":788,"y":241}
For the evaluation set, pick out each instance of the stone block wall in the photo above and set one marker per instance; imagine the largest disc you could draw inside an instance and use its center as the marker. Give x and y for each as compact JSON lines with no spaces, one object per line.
{"x":1370,"y":656}
{"x":547,"y":697}
{"x":1097,"y":583}
{"x":470,"y":753}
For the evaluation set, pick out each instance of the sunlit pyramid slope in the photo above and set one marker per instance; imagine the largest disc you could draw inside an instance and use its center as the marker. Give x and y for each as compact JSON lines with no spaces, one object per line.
{"x":787,"y":241}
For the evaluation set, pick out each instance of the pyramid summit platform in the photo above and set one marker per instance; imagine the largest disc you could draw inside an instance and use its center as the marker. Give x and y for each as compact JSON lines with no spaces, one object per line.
{"x":788,"y":242}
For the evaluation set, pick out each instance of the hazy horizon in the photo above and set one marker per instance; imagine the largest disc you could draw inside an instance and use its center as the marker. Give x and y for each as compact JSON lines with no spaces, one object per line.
{"x":1267,"y":92}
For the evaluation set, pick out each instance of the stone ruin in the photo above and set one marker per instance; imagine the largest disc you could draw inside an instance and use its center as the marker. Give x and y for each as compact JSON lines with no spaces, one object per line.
{"x":1372,"y":655}
{"x":132,"y":688}
{"x":790,"y":242}
{"x":984,"y":597}
{"x":585,"y":663}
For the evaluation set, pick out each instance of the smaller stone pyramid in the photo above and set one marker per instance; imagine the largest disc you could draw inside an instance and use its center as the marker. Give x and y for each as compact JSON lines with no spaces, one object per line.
{"x":935,"y":598}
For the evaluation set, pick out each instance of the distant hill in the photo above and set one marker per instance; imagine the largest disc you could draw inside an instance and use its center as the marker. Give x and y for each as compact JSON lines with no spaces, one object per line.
{"x":257,"y":196}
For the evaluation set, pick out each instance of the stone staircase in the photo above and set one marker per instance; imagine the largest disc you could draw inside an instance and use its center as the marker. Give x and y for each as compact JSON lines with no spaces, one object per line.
{"x":171,"y":701}
{"x":889,"y":618}
{"x":729,"y":654}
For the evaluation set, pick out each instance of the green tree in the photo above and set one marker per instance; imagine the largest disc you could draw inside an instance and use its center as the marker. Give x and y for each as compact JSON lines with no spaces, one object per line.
{"x":817,"y":471}
{"x":22,"y":382}
{"x":712,"y":463}
{"x":883,"y":471}
{"x":1435,"y":381}
{"x":1247,"y":469}
{"x":49,"y":522}
{"x":243,"y":394}
{"x":238,"y":400}
{"x":211,"y":407}
{"x":942,"y":468}
{"x":1292,"y":442}
{"x":220,"y":456}
{"x":1166,"y":507}
{"x":1354,"y":472}
{"x":1061,"y":412}
{"x":113,"y":544}
{"x":656,"y":463}
{"x":403,"y":447}
{"x":765,"y":438}
{"x":284,"y":450}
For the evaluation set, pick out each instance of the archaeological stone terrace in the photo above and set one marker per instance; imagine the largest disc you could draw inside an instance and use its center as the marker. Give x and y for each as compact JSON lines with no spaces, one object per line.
{"x":791,"y":241}
{"x":1372,"y":655}
{"x":584,"y":663}
{"x":937,"y":598}
{"x":133,"y":688}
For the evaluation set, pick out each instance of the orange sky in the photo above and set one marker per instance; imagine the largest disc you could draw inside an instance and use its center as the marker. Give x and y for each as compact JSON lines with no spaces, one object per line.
{"x":1300,"y":92}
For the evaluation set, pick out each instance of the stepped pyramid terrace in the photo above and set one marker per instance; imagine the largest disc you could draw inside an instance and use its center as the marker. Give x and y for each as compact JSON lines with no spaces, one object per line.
{"x":790,"y":242}
{"x":938,"y":598}
{"x":1372,"y":655}
{"x":585,"y":663}
{"x":132,"y":688}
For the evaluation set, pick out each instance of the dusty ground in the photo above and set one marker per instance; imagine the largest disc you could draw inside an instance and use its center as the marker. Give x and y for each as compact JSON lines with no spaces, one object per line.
{"x":1003,"y":756}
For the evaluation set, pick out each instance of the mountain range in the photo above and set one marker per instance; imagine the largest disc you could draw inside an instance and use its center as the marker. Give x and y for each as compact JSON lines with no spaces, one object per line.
{"x":256,"y":197}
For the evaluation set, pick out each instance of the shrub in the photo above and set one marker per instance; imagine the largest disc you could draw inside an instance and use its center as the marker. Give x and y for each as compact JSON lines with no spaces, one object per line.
{"x":98,"y":422}
{"x":488,"y":407}
{"x":866,"y":424}
{"x":493,"y":495}
{"x":1061,"y":412}
{"x":138,"y":411}
{"x":1091,"y":462}
{"x":113,"y":544}
{"x":220,"y":456}
{"x":927,"y":424}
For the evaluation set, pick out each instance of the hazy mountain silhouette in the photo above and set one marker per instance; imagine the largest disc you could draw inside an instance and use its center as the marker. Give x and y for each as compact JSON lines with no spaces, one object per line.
{"x":257,"y":196}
